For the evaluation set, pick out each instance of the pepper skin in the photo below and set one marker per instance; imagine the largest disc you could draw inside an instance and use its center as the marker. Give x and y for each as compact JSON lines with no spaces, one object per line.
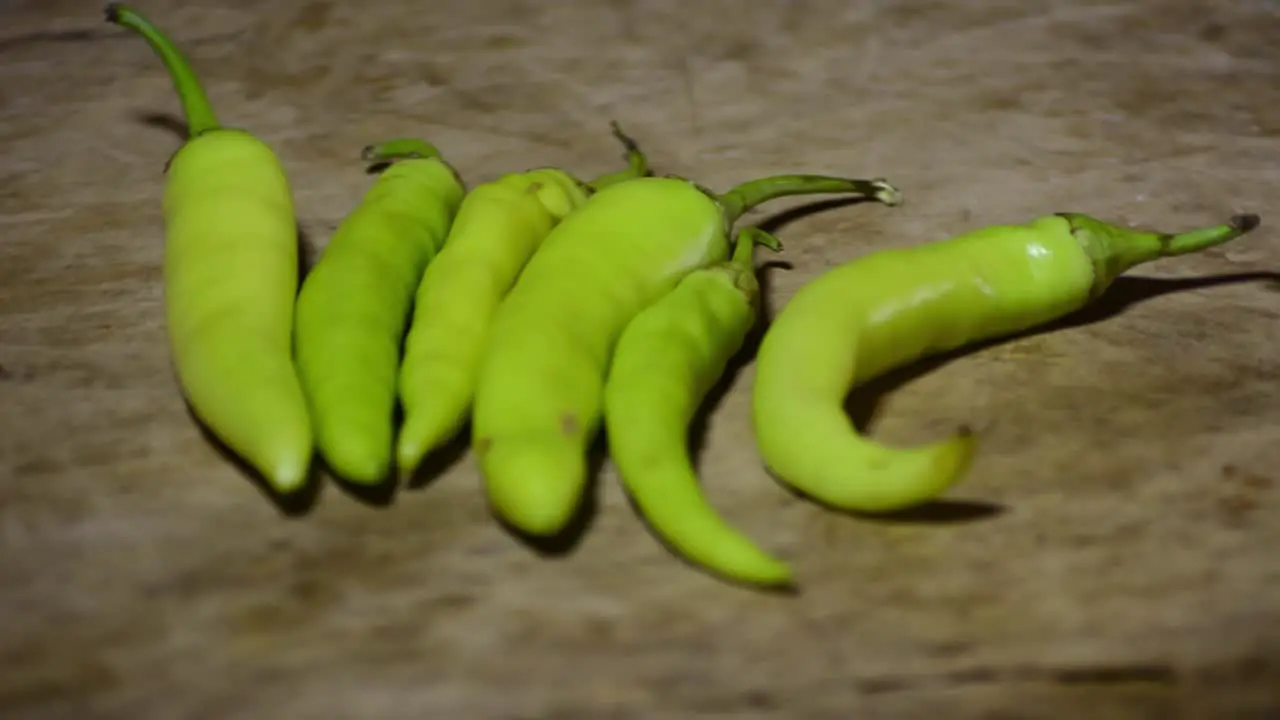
{"x":893,"y":307}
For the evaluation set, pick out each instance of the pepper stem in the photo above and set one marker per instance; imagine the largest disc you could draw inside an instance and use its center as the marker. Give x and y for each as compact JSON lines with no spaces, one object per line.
{"x":1114,"y":250}
{"x":637,"y":163}
{"x":195,"y":103}
{"x":744,"y":248}
{"x":399,"y":149}
{"x":755,"y":192}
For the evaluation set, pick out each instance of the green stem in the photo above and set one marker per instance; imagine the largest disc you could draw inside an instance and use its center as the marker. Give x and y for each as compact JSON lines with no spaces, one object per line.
{"x":195,"y":103}
{"x":637,"y":163}
{"x":1197,"y":240}
{"x":741,"y":266}
{"x":399,"y":149}
{"x":1114,"y":250}
{"x":750,"y":194}
{"x":744,"y":248}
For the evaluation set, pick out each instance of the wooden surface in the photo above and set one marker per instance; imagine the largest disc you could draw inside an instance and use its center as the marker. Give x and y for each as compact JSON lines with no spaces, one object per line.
{"x":1111,"y":555}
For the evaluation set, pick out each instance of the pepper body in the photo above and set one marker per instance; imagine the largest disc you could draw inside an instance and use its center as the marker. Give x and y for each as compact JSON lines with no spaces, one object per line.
{"x":230,"y":279}
{"x":498,"y":228}
{"x":666,"y":361}
{"x":893,"y":307}
{"x":540,"y":380}
{"x":355,"y":304}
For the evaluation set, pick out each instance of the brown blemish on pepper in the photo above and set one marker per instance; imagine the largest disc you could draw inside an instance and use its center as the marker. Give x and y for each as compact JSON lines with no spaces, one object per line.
{"x":569,"y":425}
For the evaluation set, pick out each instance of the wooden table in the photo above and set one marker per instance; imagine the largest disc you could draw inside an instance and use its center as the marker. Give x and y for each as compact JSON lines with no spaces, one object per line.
{"x":1113,"y":553}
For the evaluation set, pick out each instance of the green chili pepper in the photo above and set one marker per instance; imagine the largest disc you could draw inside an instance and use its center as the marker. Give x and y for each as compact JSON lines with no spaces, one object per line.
{"x":538,"y":392}
{"x":500,"y":225}
{"x":355,"y":304}
{"x":665,"y":362}
{"x":892,"y":307}
{"x":230,"y":278}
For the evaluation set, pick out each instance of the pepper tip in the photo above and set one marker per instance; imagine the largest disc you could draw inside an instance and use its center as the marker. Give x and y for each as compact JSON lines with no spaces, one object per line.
{"x":112,"y":12}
